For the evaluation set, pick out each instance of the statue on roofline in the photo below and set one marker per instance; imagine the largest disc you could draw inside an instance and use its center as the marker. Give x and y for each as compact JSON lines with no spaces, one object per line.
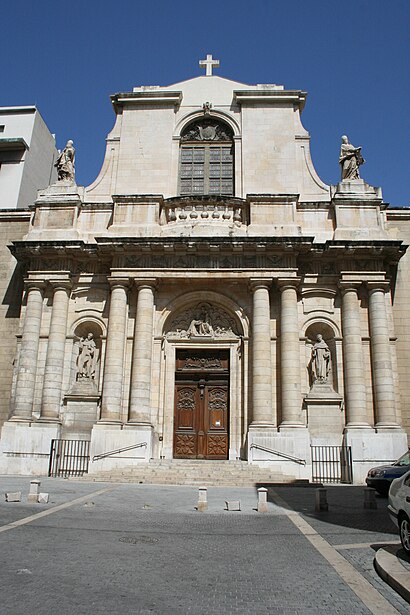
{"x":350,"y":159}
{"x":65,"y":163}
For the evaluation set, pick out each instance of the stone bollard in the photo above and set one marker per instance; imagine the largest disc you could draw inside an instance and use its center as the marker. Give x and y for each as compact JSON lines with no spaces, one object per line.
{"x":202,"y":499}
{"x":321,"y":500}
{"x":369,"y":498}
{"x":34,"y":491}
{"x":13,"y":496}
{"x":262,"y":500}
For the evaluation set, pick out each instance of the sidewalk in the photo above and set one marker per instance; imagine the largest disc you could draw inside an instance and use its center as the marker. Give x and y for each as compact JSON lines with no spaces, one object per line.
{"x":139,"y":549}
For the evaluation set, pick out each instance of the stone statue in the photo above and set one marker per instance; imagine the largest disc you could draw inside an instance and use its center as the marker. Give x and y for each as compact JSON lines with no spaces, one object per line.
{"x":87,"y":358}
{"x":350,"y":159}
{"x":201,"y":326}
{"x":320,"y":361}
{"x":65,"y":163}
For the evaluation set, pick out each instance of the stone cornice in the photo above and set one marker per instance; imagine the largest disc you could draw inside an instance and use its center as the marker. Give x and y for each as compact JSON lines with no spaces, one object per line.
{"x":146,"y":97}
{"x":270,"y":96}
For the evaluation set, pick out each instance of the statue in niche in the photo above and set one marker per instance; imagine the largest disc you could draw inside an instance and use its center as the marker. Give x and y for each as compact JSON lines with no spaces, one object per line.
{"x":320,"y":361}
{"x":65,"y":163}
{"x":87,"y":358}
{"x":350,"y":159}
{"x":201,"y":326}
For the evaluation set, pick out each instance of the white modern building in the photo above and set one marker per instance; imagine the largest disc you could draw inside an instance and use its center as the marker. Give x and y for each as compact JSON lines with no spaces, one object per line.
{"x":27,"y":156}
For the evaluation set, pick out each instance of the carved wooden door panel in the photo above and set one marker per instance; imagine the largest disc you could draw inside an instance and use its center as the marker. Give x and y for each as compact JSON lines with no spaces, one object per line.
{"x":215,"y":420}
{"x":186,"y":420}
{"x":201,"y":419}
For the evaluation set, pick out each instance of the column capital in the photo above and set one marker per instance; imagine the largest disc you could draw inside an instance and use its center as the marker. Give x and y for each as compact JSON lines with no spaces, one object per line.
{"x":116,"y":281}
{"x":255,"y":283}
{"x":39,"y":284}
{"x":291,"y":282}
{"x":63,"y":283}
{"x":381,"y":286}
{"x":146,"y":283}
{"x":346,"y":285}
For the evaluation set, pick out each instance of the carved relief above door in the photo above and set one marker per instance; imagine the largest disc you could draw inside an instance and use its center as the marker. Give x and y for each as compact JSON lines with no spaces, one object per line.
{"x":201,"y":405}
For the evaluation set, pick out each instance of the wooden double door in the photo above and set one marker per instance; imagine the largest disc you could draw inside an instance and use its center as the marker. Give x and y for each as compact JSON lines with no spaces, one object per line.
{"x":201,"y":418}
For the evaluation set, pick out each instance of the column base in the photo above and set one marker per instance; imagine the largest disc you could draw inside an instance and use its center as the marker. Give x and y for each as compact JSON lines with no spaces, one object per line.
{"x":113,"y":438}
{"x":48,"y":420}
{"x":373,"y":448}
{"x":25,"y":447}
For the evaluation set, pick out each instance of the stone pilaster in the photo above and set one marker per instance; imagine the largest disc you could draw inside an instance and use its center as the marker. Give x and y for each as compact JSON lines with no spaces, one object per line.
{"x":383,"y":381}
{"x":114,"y":354}
{"x":27,"y":367}
{"x":54,"y":367}
{"x":354,"y":374}
{"x":140,"y":407}
{"x":261,"y":355}
{"x":290,"y":354}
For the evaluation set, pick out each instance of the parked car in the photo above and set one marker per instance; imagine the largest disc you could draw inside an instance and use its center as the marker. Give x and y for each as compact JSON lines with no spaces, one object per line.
{"x":399,"y":508}
{"x":380,"y":478}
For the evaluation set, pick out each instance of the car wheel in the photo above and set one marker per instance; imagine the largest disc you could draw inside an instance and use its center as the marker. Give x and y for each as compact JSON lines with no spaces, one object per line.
{"x":404,"y":528}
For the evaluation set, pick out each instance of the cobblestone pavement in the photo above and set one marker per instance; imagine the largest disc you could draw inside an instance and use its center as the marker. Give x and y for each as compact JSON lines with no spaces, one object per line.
{"x":140,"y":549}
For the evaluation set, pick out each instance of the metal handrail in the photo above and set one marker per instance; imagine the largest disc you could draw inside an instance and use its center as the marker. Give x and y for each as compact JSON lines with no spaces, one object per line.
{"x":280,"y":454}
{"x":118,"y":450}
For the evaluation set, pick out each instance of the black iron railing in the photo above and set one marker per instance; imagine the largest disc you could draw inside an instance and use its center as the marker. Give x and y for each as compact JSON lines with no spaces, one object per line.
{"x":279,"y":454}
{"x":332,"y":464}
{"x":69,"y":457}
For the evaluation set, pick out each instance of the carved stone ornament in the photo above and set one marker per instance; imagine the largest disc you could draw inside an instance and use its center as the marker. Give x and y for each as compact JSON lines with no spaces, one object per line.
{"x":203,"y":321}
{"x":207,"y":130}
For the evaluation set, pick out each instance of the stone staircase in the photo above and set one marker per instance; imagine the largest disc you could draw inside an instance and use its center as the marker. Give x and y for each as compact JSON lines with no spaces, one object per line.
{"x":192,"y":472}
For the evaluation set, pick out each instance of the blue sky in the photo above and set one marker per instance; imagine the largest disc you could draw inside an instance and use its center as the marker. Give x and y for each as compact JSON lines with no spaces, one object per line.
{"x":352,"y":57}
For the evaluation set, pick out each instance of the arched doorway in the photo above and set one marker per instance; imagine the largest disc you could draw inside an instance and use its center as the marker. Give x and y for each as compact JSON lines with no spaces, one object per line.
{"x":205,"y":351}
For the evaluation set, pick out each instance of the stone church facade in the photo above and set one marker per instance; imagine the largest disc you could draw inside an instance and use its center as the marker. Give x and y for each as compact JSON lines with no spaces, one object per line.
{"x":208,"y":296}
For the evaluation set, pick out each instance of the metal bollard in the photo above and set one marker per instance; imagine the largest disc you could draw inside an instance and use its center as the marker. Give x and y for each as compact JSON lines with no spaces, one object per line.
{"x":369,"y":498}
{"x":202,"y":499}
{"x":34,"y":491}
{"x":262,"y":500}
{"x":321,"y":500}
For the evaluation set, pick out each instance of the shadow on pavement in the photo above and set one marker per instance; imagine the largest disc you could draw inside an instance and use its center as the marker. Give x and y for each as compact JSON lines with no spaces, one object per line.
{"x":345,"y":506}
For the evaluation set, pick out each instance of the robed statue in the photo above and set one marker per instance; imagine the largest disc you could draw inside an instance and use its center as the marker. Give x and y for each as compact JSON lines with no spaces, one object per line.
{"x":320,"y":360}
{"x":350,"y":159}
{"x":65,"y":163}
{"x":87,"y":358}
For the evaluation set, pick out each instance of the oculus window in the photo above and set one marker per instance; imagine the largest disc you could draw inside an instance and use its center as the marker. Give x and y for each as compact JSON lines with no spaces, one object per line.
{"x":206,"y":164}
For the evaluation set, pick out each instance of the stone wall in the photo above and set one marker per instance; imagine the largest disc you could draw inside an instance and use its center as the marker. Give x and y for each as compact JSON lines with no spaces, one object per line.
{"x":13,"y":226}
{"x":398,"y":226}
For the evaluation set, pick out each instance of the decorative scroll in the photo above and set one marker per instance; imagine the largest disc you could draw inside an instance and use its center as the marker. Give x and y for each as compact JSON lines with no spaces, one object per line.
{"x":203,"y":321}
{"x":202,"y":363}
{"x":207,"y":130}
{"x":217,"y":399}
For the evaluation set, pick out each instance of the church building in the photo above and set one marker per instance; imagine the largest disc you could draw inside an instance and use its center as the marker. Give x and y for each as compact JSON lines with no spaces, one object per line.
{"x":208,"y":296}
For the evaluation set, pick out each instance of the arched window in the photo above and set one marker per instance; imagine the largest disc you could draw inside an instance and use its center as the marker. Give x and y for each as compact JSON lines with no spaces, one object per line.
{"x":206,"y":159}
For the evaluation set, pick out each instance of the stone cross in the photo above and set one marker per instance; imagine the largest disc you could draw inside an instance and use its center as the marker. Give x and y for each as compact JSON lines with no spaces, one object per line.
{"x":209,"y":63}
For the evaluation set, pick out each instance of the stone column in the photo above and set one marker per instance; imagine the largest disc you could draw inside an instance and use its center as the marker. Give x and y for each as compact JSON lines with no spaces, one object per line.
{"x":290,"y":354}
{"x":383,"y":382}
{"x":261,"y":355}
{"x":27,"y":367}
{"x":354,"y":375}
{"x":54,"y":368}
{"x":140,"y":407}
{"x":111,"y":402}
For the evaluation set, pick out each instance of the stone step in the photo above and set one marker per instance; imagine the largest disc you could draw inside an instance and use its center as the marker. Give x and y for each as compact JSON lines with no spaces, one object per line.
{"x":192,"y":472}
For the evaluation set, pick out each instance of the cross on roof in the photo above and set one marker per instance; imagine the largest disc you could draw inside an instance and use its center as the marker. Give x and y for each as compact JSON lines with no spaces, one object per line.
{"x":209,"y":63}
